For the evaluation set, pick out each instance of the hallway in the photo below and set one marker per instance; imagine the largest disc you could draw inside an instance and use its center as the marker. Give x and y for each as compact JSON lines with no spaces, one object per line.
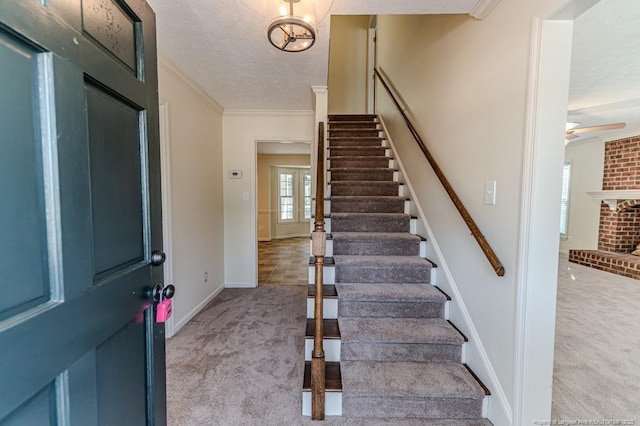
{"x":283,"y":262}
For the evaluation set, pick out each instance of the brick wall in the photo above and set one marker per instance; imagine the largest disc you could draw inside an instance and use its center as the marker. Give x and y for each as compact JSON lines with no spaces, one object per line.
{"x":620,"y":229}
{"x":622,"y":164}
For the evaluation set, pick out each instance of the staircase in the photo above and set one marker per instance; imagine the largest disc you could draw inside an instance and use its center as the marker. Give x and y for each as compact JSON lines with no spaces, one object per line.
{"x":390,"y":351}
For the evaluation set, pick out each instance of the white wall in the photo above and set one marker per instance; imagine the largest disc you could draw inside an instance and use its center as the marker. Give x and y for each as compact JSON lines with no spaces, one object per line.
{"x":348,"y":64}
{"x":587,"y":166}
{"x":241,"y":130}
{"x":195,"y":157}
{"x":467,"y":87}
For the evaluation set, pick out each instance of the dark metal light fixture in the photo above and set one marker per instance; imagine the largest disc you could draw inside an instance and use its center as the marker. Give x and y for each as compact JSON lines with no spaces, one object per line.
{"x":292,"y":24}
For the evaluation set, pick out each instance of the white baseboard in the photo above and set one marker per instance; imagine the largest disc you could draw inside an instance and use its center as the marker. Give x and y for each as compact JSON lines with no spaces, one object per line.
{"x":196,"y":310}
{"x":283,"y":237}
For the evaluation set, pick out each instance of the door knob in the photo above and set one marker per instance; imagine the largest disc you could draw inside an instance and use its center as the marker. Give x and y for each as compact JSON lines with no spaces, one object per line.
{"x":168,"y":292}
{"x":158,"y":257}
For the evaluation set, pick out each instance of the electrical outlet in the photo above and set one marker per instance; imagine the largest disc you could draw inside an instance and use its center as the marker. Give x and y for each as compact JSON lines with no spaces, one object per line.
{"x":206,"y":276}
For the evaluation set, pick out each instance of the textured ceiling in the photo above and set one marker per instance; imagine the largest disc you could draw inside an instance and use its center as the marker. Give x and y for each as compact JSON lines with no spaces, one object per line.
{"x":222,"y":46}
{"x":605,"y":66}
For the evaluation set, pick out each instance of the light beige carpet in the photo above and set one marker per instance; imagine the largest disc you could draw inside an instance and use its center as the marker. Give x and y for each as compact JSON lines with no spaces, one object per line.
{"x":596,"y":368}
{"x":240,"y":362}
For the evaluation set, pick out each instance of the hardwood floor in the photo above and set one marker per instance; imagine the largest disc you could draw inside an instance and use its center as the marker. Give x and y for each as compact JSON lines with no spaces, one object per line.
{"x":284,"y":262}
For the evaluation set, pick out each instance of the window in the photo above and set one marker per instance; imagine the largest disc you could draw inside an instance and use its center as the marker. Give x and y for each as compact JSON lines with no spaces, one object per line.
{"x":286,"y":196}
{"x":306,"y":196}
{"x":294,"y":194}
{"x":564,"y":206}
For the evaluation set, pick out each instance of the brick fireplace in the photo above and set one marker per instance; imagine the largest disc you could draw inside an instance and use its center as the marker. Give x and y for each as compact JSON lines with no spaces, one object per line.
{"x":619,"y":229}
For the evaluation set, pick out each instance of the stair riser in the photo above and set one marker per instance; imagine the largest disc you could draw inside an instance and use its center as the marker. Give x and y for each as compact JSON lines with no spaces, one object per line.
{"x":371,"y":205}
{"x":428,"y":408}
{"x":373,"y":248}
{"x":354,"y":125}
{"x":350,"y":142}
{"x":399,"y":352}
{"x":332,"y":403}
{"x":329,"y":251}
{"x":373,"y":309}
{"x":361,"y":162}
{"x":355,"y":151}
{"x":357,"y":133}
{"x":329,"y":311}
{"x":332,"y":349}
{"x":357,"y":274}
{"x":344,"y":188}
{"x":328,"y":274}
{"x":387,"y":175}
{"x":351,"y":117}
{"x":381,"y":224}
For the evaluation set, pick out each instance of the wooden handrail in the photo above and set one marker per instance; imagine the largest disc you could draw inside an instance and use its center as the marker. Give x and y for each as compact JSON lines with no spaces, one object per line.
{"x":318,"y":238}
{"x":484,"y":245}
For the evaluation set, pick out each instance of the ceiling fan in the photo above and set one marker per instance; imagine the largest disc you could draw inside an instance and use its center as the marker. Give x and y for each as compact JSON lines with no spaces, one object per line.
{"x":573,"y":131}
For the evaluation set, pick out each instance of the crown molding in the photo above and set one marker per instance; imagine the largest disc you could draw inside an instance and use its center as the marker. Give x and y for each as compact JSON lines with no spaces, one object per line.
{"x":176,"y":72}
{"x":268,"y":112}
{"x":482,"y":9}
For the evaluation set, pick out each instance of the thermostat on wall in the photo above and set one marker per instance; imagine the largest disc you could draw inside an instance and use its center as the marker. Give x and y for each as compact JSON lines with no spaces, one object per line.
{"x":235,"y":174}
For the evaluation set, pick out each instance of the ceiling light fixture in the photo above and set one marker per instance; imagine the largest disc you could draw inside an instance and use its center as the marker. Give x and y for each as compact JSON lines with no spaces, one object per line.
{"x":292,"y":24}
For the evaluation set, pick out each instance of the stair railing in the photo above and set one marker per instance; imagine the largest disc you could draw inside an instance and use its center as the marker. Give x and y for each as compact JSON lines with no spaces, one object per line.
{"x":318,"y":240}
{"x":482,"y":242}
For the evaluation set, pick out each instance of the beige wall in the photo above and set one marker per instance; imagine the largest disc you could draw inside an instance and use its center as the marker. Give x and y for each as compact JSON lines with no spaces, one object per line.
{"x":587,"y":166}
{"x":267,"y":215}
{"x":196,"y":214}
{"x":467,"y":86}
{"x":348,"y":65}
{"x":241,"y":131}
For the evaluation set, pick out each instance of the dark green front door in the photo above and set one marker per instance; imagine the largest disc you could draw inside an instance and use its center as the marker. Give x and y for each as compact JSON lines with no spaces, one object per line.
{"x":79,"y":214}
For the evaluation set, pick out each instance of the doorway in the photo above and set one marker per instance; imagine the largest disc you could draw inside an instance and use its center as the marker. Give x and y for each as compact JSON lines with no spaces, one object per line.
{"x":283,"y":182}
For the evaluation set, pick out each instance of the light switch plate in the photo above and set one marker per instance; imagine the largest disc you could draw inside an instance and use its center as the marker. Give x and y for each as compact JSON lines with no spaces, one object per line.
{"x":490,"y":192}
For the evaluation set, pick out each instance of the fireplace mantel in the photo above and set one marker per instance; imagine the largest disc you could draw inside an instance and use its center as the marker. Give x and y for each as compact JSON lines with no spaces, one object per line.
{"x":611,"y":197}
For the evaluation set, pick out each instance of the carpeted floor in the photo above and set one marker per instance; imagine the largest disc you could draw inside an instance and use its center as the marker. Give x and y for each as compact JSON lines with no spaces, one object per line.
{"x":596,"y":370}
{"x":239,"y":362}
{"x":283,"y":262}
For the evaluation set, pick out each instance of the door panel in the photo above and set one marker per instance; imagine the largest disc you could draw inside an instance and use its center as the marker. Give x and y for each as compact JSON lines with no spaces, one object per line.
{"x":121,"y":387}
{"x":39,"y":410}
{"x":79,"y":180}
{"x":117,"y":194}
{"x":113,"y":28}
{"x":23,"y":228}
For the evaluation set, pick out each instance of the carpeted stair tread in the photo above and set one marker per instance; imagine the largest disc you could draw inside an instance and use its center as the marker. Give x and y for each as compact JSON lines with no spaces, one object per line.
{"x":370,"y":222}
{"x":379,"y":174}
{"x":382,"y":269}
{"x":389,"y":292}
{"x":410,"y":379}
{"x":352,"y":117}
{"x":376,"y":243}
{"x":399,"y":339}
{"x":399,"y":330}
{"x":344,"y":141}
{"x":383,"y":236}
{"x":367,"y":204}
{"x":378,"y":262}
{"x":357,"y":151}
{"x":360,"y":187}
{"x":361,"y":162}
